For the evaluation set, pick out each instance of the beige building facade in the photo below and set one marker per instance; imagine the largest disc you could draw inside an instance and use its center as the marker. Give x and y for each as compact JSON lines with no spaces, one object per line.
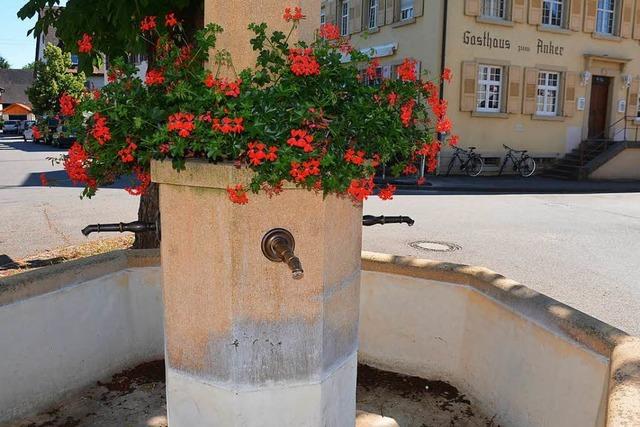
{"x":537,"y":75}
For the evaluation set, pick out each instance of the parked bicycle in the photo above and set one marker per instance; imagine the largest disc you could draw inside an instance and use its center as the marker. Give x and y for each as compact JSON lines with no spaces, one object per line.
{"x":524,"y":165}
{"x":470,"y":161}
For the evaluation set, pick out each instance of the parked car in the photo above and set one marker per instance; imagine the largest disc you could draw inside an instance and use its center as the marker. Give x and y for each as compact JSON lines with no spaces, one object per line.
{"x":27,"y":133}
{"x":11,"y":127}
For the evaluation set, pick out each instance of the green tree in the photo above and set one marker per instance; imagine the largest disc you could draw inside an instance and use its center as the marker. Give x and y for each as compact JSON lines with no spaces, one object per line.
{"x":4,"y":64}
{"x":52,"y":79}
{"x":109,"y":23}
{"x":29,"y":66}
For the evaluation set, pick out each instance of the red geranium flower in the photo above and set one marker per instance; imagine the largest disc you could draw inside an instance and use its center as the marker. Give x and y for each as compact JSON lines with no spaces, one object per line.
{"x":443,"y":125}
{"x":126,"y":154}
{"x":301,"y":171}
{"x":144,"y":180}
{"x":170,"y":20}
{"x":76,"y":164}
{"x":372,"y":69}
{"x":148,"y":23}
{"x":447,"y":75}
{"x":392,"y":98}
{"x":301,"y":139}
{"x":228,"y":125}
{"x":43,"y":180}
{"x":182,"y":123}
{"x":303,"y":63}
{"x":154,"y":77}
{"x":360,"y":189}
{"x":67,"y":105}
{"x":295,"y":16}
{"x":329,"y":31}
{"x":352,"y":157}
{"x":407,"y":70}
{"x":36,"y":132}
{"x":406,"y":112}
{"x":100,"y":131}
{"x":84,"y":44}
{"x":238,"y":194}
{"x":387,"y":193}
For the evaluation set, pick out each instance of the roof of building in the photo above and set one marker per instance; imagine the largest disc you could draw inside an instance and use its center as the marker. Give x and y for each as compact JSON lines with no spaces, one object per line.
{"x":15,"y":84}
{"x":17,"y":109}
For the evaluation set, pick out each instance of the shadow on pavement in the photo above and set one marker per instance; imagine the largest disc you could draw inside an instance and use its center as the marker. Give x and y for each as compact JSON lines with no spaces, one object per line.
{"x":60,"y":179}
{"x":17,"y":145}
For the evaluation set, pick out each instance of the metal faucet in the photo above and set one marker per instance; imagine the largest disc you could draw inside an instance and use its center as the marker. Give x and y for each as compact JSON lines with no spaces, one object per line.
{"x":121,"y":227}
{"x":278,"y":246}
{"x":369,"y":220}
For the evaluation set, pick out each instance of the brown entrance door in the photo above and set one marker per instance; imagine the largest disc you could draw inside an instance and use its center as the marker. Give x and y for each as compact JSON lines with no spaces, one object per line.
{"x":598,"y":106}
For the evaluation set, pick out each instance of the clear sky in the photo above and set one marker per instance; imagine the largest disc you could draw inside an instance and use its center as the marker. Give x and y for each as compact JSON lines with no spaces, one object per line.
{"x":15,"y":46}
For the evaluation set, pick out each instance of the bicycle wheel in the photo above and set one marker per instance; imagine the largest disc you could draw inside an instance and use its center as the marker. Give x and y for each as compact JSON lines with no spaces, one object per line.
{"x":475,"y":166}
{"x":527,"y":167}
{"x":453,"y":160}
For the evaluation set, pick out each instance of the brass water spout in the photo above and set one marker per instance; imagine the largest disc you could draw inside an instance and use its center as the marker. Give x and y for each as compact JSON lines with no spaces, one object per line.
{"x":278,"y":245}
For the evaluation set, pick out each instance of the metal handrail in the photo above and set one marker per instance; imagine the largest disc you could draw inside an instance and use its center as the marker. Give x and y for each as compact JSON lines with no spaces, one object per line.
{"x":605,"y":137}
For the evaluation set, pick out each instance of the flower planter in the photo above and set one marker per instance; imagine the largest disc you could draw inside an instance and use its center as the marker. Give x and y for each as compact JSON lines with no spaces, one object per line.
{"x":246,"y":344}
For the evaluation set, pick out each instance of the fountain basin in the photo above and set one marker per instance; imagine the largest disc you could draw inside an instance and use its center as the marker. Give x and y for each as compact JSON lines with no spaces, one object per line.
{"x":522,"y":358}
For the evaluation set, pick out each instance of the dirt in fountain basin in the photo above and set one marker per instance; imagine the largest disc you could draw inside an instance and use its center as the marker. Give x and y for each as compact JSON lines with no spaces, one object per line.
{"x":136,"y":397}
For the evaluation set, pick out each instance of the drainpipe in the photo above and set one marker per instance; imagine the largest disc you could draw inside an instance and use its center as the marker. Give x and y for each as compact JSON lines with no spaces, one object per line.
{"x":443,"y":60}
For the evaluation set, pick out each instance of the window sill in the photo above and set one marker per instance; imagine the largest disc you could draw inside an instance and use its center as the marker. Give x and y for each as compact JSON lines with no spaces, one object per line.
{"x":487,"y":114}
{"x":609,"y":37}
{"x":494,"y":21}
{"x":547,"y":118}
{"x":552,"y":29}
{"x":372,"y":30}
{"x":403,"y":23}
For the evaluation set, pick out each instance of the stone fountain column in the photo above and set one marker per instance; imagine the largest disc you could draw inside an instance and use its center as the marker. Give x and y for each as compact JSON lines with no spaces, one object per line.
{"x":246,"y":344}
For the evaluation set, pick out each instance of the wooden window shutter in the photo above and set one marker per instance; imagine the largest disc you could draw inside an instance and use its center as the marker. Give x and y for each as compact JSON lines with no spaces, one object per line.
{"x":529,"y":104}
{"x":535,"y":12}
{"x":570,"y":82}
{"x":390,"y":11}
{"x":355,"y":16}
{"x":626,"y":24}
{"x":636,"y":24}
{"x":632,"y":102}
{"x":472,"y":7}
{"x":513,"y":94}
{"x":590,"y":9}
{"x":468,"y":88}
{"x":418,"y":7}
{"x":332,"y":9}
{"x":518,"y":11}
{"x":380,"y":18}
{"x":575,"y":17}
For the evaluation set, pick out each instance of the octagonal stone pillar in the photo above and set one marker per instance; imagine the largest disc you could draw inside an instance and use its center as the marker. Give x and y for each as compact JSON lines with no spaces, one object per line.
{"x":246,"y":344}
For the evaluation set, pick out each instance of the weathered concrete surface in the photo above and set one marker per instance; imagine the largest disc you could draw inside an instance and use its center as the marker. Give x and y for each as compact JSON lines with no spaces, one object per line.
{"x":237,"y":322}
{"x":70,"y":328}
{"x":136,"y":398}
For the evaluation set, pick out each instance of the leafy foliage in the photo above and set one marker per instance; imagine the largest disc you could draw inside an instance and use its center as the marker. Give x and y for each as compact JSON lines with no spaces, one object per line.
{"x":4,"y":64}
{"x":300,"y":115}
{"x":52,"y":79}
{"x":107,"y":21}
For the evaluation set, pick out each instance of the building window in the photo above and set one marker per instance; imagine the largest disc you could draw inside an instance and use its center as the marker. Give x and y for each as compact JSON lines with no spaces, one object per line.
{"x":494,"y":8}
{"x":489,"y":94}
{"x":406,"y":9}
{"x":638,"y":107}
{"x":548,"y":88}
{"x":372,"y":80}
{"x":373,"y":13}
{"x":323,"y":17}
{"x":605,"y":19}
{"x":552,"y":11}
{"x":344,"y":19}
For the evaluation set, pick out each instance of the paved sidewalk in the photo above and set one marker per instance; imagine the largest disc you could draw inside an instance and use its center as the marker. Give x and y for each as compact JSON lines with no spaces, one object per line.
{"x":511,"y":185}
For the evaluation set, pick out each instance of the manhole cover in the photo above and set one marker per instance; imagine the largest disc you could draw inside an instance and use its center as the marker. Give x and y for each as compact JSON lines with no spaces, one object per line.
{"x":432,"y":246}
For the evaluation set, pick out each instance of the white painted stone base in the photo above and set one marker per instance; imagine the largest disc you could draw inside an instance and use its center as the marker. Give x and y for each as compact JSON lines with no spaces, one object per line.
{"x":192,"y":402}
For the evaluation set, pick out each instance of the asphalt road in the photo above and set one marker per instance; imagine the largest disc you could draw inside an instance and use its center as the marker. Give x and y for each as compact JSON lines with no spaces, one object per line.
{"x":34,"y":218}
{"x":580,"y":249}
